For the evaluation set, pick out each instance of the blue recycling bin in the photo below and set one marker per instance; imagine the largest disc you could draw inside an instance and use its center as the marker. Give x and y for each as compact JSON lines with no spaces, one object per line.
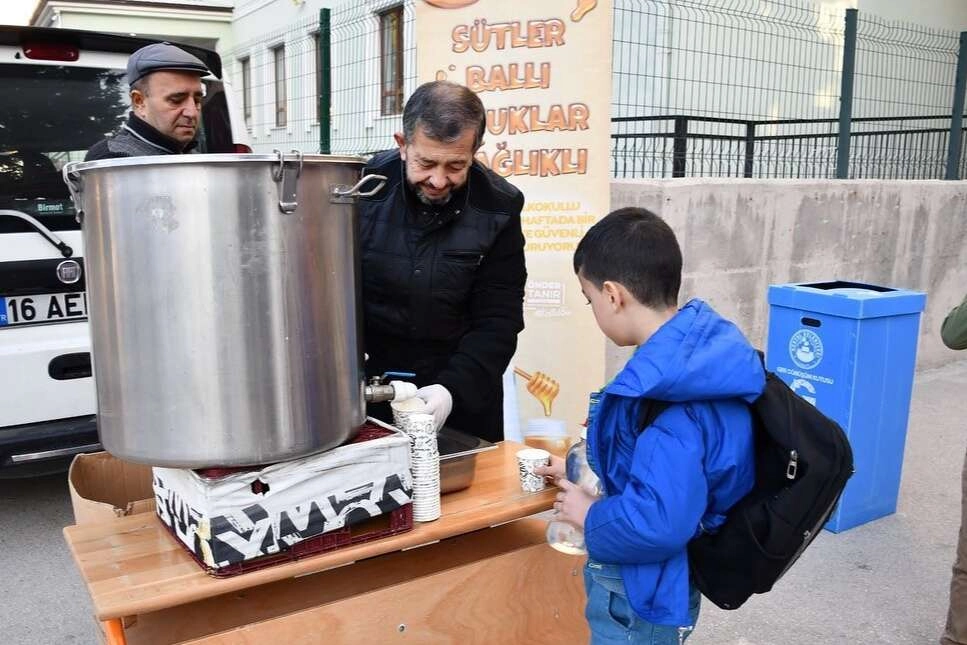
{"x":850,"y":349}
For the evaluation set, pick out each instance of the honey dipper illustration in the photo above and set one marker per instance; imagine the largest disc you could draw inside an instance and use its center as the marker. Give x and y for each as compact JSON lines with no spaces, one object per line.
{"x":542,"y":387}
{"x":584,"y":6}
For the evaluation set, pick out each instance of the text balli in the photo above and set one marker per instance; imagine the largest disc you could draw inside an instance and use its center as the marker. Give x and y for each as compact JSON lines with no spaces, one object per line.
{"x":507,"y":161}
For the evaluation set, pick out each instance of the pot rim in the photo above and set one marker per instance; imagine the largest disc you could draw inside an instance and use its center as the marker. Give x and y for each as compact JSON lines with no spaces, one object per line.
{"x":221,"y":158}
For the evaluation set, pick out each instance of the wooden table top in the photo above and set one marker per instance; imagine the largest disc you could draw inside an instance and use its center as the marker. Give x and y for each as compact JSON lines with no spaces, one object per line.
{"x":133,"y":565}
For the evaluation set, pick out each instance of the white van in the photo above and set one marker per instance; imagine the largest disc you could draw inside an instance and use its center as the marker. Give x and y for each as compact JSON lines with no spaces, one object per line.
{"x":63,"y":90}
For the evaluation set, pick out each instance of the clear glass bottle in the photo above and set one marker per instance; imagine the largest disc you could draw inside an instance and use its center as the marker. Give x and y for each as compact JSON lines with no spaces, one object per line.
{"x":561,"y":535}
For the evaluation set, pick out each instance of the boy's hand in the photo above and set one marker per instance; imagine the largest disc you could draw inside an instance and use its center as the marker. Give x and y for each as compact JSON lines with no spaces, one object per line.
{"x":572,"y":503}
{"x":554,"y":472}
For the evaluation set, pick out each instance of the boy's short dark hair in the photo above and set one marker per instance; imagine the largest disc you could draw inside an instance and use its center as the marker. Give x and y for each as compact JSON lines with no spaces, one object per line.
{"x":636,"y":248}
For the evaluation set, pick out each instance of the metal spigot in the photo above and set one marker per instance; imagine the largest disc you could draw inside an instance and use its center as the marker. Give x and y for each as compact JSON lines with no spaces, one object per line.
{"x":378,"y":390}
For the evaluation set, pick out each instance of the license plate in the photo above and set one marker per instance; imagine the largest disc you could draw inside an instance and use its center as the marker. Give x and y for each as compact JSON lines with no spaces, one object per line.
{"x":42,"y":308}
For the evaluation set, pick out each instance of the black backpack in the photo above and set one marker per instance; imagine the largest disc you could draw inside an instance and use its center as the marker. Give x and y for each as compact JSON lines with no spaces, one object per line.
{"x":802,"y":462}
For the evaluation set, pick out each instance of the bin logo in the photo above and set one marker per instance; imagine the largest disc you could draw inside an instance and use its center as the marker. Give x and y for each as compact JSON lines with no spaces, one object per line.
{"x":805,"y":389}
{"x":806,"y":349}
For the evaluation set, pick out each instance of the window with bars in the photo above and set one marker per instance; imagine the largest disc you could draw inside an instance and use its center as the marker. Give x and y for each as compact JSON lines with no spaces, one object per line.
{"x":391,"y":61}
{"x":278,"y":57}
{"x":246,"y":64}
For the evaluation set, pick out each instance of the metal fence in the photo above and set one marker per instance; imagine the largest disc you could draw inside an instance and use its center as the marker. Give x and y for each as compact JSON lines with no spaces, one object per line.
{"x":736,"y":88}
{"x":738,"y":59}
{"x":902,"y":69}
{"x":733,"y":88}
{"x":686,"y":146}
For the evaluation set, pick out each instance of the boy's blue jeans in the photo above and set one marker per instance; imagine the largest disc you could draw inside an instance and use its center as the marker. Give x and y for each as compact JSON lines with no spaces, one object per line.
{"x":611,"y":618}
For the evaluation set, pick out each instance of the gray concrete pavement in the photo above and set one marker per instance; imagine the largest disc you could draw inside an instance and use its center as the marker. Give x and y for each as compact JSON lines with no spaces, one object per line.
{"x":42,"y":597}
{"x":884,"y":582}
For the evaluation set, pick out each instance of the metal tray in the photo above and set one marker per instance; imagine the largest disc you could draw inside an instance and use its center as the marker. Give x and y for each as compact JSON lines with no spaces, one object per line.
{"x":458,"y":458}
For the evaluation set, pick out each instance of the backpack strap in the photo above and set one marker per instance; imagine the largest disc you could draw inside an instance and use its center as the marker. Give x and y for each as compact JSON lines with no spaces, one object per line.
{"x":648,"y":411}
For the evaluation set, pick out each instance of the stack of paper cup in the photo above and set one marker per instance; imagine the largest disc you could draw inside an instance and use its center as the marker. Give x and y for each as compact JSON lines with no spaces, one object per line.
{"x":410,"y":417}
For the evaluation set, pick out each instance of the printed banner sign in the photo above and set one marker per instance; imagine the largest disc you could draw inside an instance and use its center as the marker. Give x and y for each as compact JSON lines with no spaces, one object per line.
{"x":543,"y":71}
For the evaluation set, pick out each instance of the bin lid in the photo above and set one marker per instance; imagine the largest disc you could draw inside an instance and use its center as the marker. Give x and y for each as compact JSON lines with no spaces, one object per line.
{"x":847,"y":299}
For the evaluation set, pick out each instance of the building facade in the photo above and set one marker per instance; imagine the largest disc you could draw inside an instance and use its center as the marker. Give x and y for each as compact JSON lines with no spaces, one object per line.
{"x":205,"y":23}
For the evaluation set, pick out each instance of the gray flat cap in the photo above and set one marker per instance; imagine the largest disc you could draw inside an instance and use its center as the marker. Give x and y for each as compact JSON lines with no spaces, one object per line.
{"x":162,"y":56}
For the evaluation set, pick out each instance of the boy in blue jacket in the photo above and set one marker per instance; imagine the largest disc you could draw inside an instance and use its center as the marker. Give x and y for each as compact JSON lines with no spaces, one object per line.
{"x":662,"y":485}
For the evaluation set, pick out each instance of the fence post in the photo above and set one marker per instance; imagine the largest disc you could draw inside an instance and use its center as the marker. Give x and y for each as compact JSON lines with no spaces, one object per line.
{"x":749,"y":148}
{"x":846,"y":95}
{"x":679,"y":146}
{"x":325,"y":82}
{"x":957,"y":118}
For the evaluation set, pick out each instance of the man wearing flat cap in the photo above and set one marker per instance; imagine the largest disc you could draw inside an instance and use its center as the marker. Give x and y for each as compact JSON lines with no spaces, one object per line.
{"x":166,"y":95}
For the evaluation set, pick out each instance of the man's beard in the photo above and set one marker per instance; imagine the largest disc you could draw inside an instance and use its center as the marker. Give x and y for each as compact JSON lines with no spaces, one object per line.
{"x":430,"y":201}
{"x":423,"y":197}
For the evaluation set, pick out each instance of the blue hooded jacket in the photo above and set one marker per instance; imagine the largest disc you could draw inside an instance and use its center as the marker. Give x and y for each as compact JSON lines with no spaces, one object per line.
{"x":678,"y":477}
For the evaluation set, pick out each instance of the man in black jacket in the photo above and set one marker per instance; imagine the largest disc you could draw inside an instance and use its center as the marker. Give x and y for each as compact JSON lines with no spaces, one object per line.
{"x":443,"y":263}
{"x":166,"y":94}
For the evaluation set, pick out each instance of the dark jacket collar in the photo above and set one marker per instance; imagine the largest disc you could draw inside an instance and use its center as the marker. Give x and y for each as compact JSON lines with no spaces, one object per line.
{"x":147,"y":133}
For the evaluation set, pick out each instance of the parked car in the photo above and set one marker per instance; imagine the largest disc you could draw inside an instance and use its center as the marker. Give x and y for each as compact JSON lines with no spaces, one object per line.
{"x":63,"y":91}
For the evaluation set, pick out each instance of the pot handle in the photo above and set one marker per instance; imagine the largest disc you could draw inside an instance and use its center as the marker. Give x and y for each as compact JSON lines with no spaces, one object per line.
{"x":286,"y":174}
{"x":344,"y":194}
{"x":73,"y":181}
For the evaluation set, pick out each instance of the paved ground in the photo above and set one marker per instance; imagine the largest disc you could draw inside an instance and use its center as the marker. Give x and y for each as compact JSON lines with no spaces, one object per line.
{"x":42,"y":598}
{"x":884,"y":582}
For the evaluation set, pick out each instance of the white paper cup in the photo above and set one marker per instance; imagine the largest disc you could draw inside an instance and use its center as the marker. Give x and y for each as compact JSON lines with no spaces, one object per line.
{"x":405,"y":414}
{"x":425,"y":515}
{"x":527,"y":460}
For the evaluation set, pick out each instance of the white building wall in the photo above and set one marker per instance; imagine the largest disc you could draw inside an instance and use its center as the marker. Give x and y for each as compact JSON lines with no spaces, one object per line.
{"x":939,"y":14}
{"x":208,"y":23}
{"x":254,"y":19}
{"x":301,"y":130}
{"x":357,"y":126}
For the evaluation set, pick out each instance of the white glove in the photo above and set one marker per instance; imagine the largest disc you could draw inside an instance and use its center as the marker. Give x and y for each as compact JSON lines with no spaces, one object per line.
{"x":439,"y":403}
{"x":403,"y":390}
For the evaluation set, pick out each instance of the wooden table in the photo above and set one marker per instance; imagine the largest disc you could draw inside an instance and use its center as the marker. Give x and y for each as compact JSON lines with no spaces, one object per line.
{"x":482,"y":573}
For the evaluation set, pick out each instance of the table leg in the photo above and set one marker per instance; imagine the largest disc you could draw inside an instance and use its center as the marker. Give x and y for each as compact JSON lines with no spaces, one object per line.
{"x":114,"y":631}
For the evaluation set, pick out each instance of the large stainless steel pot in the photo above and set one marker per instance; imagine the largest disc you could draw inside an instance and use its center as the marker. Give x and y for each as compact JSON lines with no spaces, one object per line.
{"x":223,"y":296}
